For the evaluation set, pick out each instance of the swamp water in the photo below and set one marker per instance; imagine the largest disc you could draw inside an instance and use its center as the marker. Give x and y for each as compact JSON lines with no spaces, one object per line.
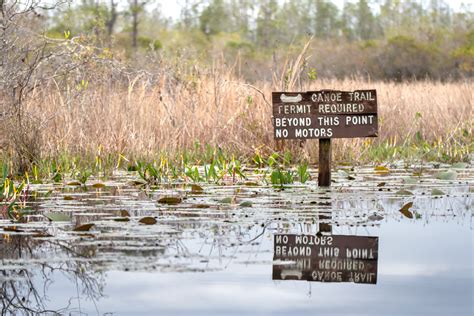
{"x":214,"y":253}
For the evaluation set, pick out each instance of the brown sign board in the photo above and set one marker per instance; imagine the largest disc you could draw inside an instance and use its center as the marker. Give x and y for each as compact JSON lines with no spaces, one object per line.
{"x":334,"y":258}
{"x":325,"y":114}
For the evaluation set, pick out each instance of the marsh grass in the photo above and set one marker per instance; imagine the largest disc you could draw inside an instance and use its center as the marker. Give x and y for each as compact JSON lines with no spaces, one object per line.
{"x":219,"y":111}
{"x":100,"y":120}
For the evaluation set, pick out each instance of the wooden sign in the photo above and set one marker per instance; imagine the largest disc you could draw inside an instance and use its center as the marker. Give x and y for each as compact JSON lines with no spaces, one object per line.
{"x":325,"y":114}
{"x":335,"y":258}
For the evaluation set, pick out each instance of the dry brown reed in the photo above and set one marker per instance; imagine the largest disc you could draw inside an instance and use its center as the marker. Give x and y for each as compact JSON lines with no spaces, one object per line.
{"x":216,"y":108}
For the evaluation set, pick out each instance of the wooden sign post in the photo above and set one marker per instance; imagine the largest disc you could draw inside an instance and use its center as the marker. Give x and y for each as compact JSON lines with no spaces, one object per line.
{"x":324,"y":115}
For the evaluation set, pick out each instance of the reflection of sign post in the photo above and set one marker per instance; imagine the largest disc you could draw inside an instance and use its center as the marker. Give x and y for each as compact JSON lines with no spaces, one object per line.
{"x":324,"y":115}
{"x":335,"y":258}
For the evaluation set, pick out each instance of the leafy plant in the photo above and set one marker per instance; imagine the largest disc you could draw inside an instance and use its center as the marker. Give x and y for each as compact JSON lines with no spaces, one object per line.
{"x":279,"y":178}
{"x":12,"y":197}
{"x":193,"y":174}
{"x":303,"y":173}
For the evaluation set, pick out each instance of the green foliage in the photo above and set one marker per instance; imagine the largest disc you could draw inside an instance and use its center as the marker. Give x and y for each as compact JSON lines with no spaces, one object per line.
{"x":12,"y":196}
{"x":393,"y":39}
{"x":404,"y":57}
{"x":280,"y":178}
{"x":303,"y":173}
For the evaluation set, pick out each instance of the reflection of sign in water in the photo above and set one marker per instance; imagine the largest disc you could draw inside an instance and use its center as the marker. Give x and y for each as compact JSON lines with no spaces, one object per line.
{"x":335,"y":258}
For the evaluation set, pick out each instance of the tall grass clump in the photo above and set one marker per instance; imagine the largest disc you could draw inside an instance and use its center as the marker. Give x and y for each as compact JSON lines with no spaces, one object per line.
{"x":147,"y":117}
{"x":105,"y":108}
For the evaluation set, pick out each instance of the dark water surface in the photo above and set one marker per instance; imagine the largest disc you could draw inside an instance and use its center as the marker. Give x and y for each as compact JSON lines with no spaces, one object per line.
{"x":205,"y":256}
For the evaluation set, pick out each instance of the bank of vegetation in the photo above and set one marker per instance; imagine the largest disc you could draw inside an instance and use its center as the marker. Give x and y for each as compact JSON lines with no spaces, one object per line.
{"x":99,"y":85}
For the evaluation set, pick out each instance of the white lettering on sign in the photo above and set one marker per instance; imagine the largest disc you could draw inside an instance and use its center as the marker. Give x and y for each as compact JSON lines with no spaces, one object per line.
{"x":361,"y":96}
{"x":313,"y":240}
{"x":294,"y":109}
{"x":326,"y":97}
{"x":328,"y":121}
{"x":328,"y":252}
{"x":292,"y":122}
{"x":341,"y":108}
{"x":288,"y":251}
{"x":313,"y":132}
{"x":279,"y":133}
{"x":359,"y":119}
{"x":361,"y":277}
{"x":341,"y":264}
{"x":327,"y":276}
{"x":359,"y":253}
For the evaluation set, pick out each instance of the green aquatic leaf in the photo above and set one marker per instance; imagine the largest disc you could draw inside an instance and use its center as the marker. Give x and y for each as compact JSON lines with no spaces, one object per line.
{"x":446,"y":175}
{"x":345,"y":174}
{"x":375,"y":217}
{"x":437,"y":192}
{"x":227,"y":200}
{"x":251,"y":184}
{"x":403,"y":192}
{"x":342,"y":173}
{"x":246,"y":204}
{"x":409,"y":180}
{"x":58,"y":217}
{"x":459,"y":165}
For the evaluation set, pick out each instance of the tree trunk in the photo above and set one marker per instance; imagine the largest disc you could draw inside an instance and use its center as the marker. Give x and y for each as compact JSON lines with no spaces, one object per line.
{"x":134,"y":24}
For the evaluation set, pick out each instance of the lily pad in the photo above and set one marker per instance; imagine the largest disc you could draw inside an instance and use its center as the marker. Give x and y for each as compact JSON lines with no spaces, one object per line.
{"x":375,"y":218}
{"x":137,"y":182}
{"x":382,"y":170}
{"x":251,"y":184}
{"x":405,"y":210}
{"x":409,"y":180}
{"x":227,"y":200}
{"x":246,"y":204}
{"x":196,"y":189}
{"x":170,"y":200}
{"x":437,"y":192}
{"x":201,"y":206}
{"x":124,"y":213}
{"x":343,"y":173}
{"x":447,"y":175}
{"x":74,"y":183}
{"x":57,"y":217}
{"x":148,"y":220}
{"x":122,"y":219}
{"x":459,"y":165}
{"x":83,"y":228}
{"x":403,"y":192}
